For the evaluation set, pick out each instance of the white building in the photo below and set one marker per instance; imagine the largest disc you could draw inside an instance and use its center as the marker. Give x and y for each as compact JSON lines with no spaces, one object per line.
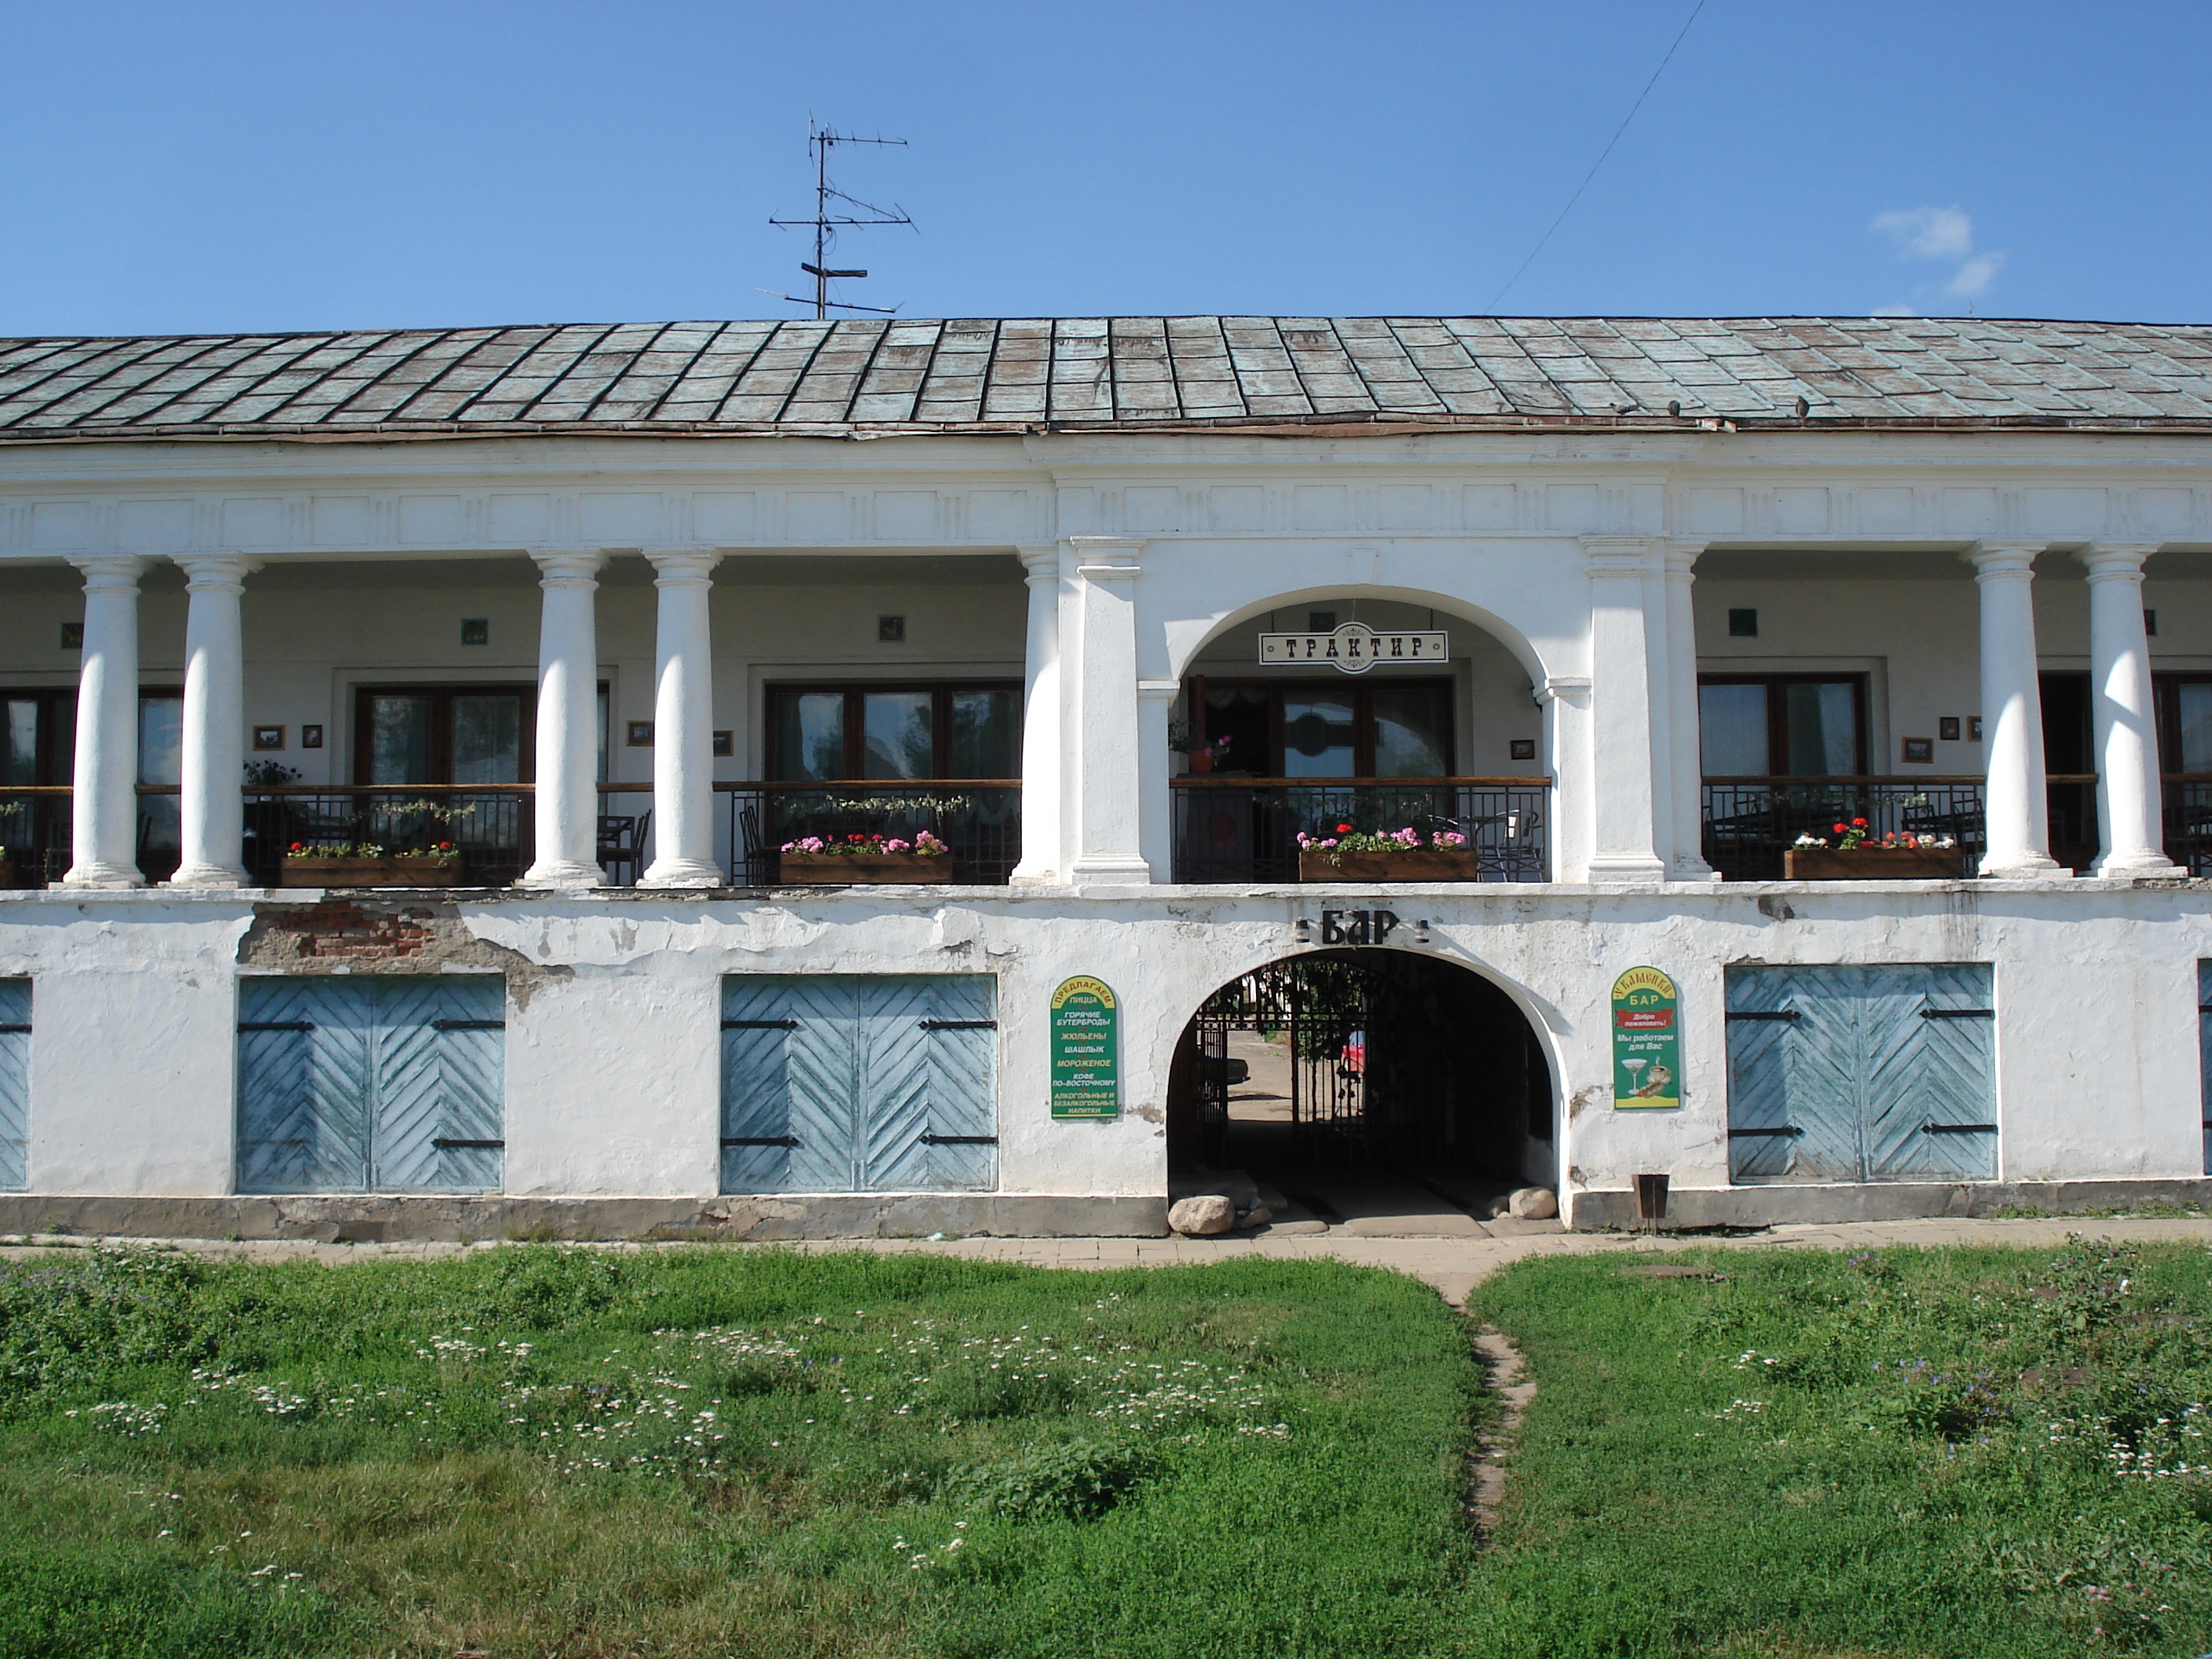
{"x":1952,"y":577}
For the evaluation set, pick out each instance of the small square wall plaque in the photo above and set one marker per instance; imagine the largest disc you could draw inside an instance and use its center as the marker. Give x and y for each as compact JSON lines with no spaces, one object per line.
{"x":1524,"y":748}
{"x":890,"y":630}
{"x":268,"y":737}
{"x":1973,"y":728}
{"x":476,"y":630}
{"x":311,"y":737}
{"x":726,"y":744}
{"x":1919,"y":751}
{"x":1947,"y":728}
{"x":72,"y":636}
{"x":640,"y":734}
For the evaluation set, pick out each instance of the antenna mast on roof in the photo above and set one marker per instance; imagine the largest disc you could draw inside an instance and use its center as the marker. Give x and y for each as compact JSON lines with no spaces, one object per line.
{"x":826,"y":223}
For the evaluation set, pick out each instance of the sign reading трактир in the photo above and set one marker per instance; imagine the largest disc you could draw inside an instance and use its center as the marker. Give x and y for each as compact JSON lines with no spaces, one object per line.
{"x":1647,"y":1042}
{"x":1086,"y":1070}
{"x":1354,"y":648}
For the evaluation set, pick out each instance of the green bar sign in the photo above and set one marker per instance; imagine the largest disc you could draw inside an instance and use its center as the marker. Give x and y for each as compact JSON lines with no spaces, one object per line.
{"x":1647,"y":1042}
{"x":1086,"y":1067}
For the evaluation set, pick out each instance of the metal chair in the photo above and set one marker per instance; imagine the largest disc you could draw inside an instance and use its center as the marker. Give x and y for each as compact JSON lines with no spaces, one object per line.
{"x":622,"y":845}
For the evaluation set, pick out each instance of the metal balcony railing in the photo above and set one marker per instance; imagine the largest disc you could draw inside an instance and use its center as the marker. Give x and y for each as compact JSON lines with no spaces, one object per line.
{"x":979,"y":818}
{"x":1751,"y":822}
{"x":2187,"y":798}
{"x":1246,"y":829}
{"x":488,"y":824}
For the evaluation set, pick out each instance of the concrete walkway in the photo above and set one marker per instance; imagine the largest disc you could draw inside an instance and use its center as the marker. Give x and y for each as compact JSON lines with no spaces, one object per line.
{"x":1453,"y":1266}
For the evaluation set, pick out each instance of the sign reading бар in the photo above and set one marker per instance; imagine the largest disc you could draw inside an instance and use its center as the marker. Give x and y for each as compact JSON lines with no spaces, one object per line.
{"x":1647,"y":1042}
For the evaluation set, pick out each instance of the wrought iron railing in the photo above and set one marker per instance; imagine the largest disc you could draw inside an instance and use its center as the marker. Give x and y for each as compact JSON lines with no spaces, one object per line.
{"x":2188,"y":799}
{"x":1751,"y":822}
{"x":1247,"y":830}
{"x":979,"y":818}
{"x":34,"y":834}
{"x":489,"y":825}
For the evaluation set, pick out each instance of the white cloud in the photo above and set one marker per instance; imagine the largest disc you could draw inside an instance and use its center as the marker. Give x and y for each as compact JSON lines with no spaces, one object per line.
{"x":1928,"y":232}
{"x":1974,"y":277}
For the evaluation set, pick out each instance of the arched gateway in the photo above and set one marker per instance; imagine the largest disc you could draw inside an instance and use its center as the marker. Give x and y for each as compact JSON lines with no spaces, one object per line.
{"x":1365,"y":1082}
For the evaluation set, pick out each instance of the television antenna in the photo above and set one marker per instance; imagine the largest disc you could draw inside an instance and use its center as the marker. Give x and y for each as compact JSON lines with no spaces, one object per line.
{"x":826,"y":223}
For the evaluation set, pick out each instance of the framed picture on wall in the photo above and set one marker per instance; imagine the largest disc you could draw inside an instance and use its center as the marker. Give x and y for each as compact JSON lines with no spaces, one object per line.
{"x":1919,"y":751}
{"x":268,"y":737}
{"x":311,"y":737}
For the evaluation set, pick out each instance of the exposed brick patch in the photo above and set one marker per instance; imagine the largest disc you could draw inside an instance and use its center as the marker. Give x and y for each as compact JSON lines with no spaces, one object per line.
{"x":354,"y":935}
{"x":346,"y":928}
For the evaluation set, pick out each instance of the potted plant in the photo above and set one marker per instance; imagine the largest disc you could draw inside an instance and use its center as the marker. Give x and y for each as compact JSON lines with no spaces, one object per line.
{"x":860,"y":858}
{"x":1849,"y":852}
{"x":365,"y":864}
{"x":1407,"y":854}
{"x":1202,"y":756}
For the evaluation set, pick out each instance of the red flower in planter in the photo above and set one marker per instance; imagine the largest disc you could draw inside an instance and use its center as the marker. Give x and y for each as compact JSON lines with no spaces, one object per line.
{"x":1343,"y":829}
{"x":1859,"y":823}
{"x":1838,"y":830}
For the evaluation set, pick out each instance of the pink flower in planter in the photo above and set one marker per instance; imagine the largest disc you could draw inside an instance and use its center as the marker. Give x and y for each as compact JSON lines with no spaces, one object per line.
{"x":899,"y":847}
{"x":1450,"y":838}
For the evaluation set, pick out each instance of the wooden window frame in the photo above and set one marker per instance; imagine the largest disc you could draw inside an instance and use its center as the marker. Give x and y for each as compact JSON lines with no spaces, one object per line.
{"x":942,"y":693}
{"x":441,"y":724}
{"x":1777,"y":723}
{"x":2166,"y":685}
{"x":55,"y":767}
{"x":1360,"y":694}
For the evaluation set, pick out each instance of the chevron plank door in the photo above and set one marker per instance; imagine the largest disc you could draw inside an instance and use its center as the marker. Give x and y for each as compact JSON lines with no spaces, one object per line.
{"x":1930,"y":1072}
{"x":15,"y":1083}
{"x":2204,"y":1052}
{"x":440,"y":1048}
{"x":848,"y":1082}
{"x":306,"y":1084}
{"x":1792,"y":1113}
{"x":365,"y":1084}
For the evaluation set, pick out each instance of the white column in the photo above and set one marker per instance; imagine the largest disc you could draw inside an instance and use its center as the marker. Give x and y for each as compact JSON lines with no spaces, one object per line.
{"x":1688,"y":789}
{"x":1658,"y":658}
{"x":2015,"y":797}
{"x":2131,"y":826}
{"x":211,"y":814}
{"x":1105,"y":747}
{"x":1566,"y":700}
{"x":568,"y":795}
{"x":104,"y":811}
{"x":683,"y":725}
{"x":1625,"y":847}
{"x":1041,"y":722}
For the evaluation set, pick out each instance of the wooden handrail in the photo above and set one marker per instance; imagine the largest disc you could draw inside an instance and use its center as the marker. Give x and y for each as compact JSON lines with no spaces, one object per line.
{"x":1212,"y":781}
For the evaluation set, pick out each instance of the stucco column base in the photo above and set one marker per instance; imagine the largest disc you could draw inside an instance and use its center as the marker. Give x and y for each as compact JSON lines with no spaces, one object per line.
{"x":560,"y":876}
{"x":107,"y":876}
{"x":1119,"y":872}
{"x":1617,"y":871}
{"x":209,"y":875}
{"x":2035,"y":867}
{"x":2137,"y":864}
{"x":682,"y":873}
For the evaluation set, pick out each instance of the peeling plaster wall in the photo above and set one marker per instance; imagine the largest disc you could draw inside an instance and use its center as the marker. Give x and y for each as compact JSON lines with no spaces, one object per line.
{"x":614,"y":1008}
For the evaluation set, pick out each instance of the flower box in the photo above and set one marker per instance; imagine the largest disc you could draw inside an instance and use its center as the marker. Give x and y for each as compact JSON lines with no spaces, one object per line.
{"x":1414,"y":864}
{"x":370,"y":872}
{"x":797,"y":869}
{"x":1873,"y":863}
{"x":7,"y":874}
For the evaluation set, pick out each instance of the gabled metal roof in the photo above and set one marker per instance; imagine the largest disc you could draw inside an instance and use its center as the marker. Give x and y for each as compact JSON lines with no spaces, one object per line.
{"x":1089,"y":374}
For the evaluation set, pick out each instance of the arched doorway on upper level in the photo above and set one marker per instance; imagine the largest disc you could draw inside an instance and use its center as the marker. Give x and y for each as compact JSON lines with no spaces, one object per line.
{"x":1275,"y":732}
{"x":1384,"y":1089}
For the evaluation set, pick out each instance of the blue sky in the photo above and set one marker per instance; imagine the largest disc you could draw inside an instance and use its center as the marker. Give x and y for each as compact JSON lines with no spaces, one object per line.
{"x":213,"y":167}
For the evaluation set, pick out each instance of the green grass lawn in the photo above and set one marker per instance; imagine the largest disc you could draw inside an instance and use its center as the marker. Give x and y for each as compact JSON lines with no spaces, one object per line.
{"x":535,"y":1451}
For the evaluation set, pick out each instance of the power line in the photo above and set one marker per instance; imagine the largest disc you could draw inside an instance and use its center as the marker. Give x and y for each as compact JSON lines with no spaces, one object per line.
{"x":1603,"y":154}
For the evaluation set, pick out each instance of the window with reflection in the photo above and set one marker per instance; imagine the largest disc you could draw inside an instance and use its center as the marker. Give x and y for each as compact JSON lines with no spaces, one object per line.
{"x":828,"y":733}
{"x":1331,"y":728}
{"x":459,"y":734}
{"x":2184,"y":722}
{"x":1795,"y":725}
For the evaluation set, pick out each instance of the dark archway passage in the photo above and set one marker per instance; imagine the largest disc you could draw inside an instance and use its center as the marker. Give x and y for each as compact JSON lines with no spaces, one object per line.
{"x":1368,"y":1086}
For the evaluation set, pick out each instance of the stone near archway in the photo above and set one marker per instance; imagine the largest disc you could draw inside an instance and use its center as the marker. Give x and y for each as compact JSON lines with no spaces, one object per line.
{"x":1202,"y":1217}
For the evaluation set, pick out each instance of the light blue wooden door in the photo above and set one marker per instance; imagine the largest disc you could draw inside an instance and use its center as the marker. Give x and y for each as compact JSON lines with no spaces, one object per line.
{"x":1860,"y":1073}
{"x":15,"y":1083}
{"x":440,"y":1083}
{"x":371,"y":1085}
{"x":858,"y":1083}
{"x":2204,"y":1052}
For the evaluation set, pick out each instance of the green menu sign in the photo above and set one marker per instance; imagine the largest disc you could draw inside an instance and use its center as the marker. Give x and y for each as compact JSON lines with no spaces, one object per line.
{"x":1086,"y":1050}
{"x":1647,"y":1042}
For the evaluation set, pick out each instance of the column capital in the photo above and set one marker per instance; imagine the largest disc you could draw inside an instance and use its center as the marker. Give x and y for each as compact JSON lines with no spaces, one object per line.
{"x":1107,"y":558}
{"x":1043,"y":564}
{"x":1619,"y":556}
{"x":206,"y":573}
{"x":1573,"y":690}
{"x":681,"y":567}
{"x":2108,"y":561}
{"x":568,"y":566}
{"x":2002,"y":561}
{"x":110,"y":573}
{"x":1682,"y":559}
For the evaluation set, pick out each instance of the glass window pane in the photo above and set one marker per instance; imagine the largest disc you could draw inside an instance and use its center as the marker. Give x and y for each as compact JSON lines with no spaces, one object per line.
{"x":399,"y":739}
{"x":809,"y":735}
{"x":160,"y":740}
{"x":487,"y":740}
{"x":62,"y":746}
{"x":1822,"y":729}
{"x":1410,"y":724}
{"x":1732,"y":730}
{"x":21,"y":761}
{"x":1317,"y":736}
{"x":897,"y":735}
{"x":1238,"y":716}
{"x":2195,"y":699}
{"x":986,"y":734}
